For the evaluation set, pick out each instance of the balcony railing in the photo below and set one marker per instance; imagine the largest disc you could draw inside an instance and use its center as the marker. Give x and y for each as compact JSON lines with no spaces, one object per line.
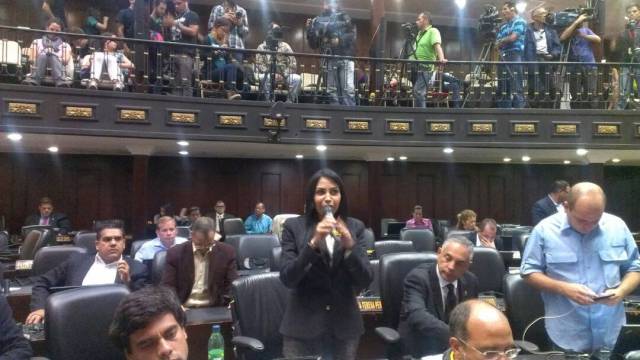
{"x":147,"y":66}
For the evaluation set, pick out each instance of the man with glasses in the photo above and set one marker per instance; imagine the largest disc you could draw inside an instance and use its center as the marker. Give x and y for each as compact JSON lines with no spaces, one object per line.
{"x":478,"y":331}
{"x":107,"y":266}
{"x":431,"y":292}
{"x":552,"y":203}
{"x":220,"y":215}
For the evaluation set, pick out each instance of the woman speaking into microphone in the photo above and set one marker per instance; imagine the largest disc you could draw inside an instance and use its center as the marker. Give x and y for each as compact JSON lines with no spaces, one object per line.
{"x":325,"y":264}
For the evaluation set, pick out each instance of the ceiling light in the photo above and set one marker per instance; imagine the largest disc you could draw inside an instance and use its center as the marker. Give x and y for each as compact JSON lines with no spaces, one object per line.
{"x":526,"y":158}
{"x":391,"y":158}
{"x":461,"y":4}
{"x":321,"y":147}
{"x":14,"y":136}
{"x":521,"y":6}
{"x":581,"y":152}
{"x":615,"y":160}
{"x":299,"y":156}
{"x":403,"y":158}
{"x":183,"y":152}
{"x":567,"y":162}
{"x":507,"y":159}
{"x":447,"y":150}
{"x":53,"y":149}
{"x":183,"y":143}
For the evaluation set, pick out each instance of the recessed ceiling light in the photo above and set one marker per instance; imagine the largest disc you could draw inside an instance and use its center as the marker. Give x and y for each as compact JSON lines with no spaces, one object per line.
{"x":567,"y":162}
{"x":615,"y":160}
{"x":582,"y":152}
{"x":14,"y":136}
{"x":507,"y":159}
{"x":321,"y":147}
{"x":403,"y":158}
{"x":299,"y":156}
{"x":183,"y":143}
{"x":183,"y":152}
{"x":461,"y":3}
{"x":391,"y":158}
{"x":526,"y":158}
{"x":53,"y":149}
{"x":447,"y":150}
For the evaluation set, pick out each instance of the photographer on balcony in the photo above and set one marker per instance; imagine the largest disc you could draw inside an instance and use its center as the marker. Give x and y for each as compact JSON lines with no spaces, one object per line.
{"x":333,"y":33}
{"x":239,"y":30}
{"x":542,"y":44}
{"x":283,"y":66}
{"x":583,"y":79}
{"x":630,"y":44}
{"x":510,"y":43}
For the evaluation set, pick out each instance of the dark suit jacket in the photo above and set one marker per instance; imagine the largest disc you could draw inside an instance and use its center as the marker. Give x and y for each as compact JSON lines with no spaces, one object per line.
{"x":57,"y":220}
{"x":179,"y":271}
{"x":542,"y":209}
{"x":13,"y":345}
{"x":323,"y":292}
{"x":72,"y":273}
{"x":422,"y":328}
{"x":498,"y":241}
{"x":224,"y":217}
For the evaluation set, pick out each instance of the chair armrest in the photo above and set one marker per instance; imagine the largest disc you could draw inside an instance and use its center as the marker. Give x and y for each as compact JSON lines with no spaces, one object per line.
{"x":248,"y":342}
{"x":389,"y":335}
{"x":527,"y":346}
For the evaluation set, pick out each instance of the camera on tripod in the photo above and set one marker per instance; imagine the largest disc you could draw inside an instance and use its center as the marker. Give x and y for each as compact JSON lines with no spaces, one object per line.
{"x":563,"y":19}
{"x":274,"y":36}
{"x":330,"y":29}
{"x":410,"y":30}
{"x":489,"y":22}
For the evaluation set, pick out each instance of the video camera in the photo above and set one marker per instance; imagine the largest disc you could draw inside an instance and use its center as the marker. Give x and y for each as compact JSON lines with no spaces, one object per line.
{"x":274,"y":36}
{"x":328,"y":27}
{"x":563,"y":19}
{"x":410,"y":30}
{"x":489,"y":22}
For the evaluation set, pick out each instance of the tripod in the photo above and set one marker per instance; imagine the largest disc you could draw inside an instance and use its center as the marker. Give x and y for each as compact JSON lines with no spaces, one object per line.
{"x":564,"y":102}
{"x":485,"y":54}
{"x":273,"y":68}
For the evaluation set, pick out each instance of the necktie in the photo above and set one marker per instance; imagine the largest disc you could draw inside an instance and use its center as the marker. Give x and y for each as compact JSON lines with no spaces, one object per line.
{"x":45,"y":221}
{"x":451,"y":302}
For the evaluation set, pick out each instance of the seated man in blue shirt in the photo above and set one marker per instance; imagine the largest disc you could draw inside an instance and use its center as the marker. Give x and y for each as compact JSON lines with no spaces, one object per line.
{"x":166,"y":231}
{"x":258,"y":222}
{"x":585,"y":262}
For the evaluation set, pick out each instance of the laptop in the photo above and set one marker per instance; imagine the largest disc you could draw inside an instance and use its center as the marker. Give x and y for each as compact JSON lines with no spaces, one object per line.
{"x":628,"y":340}
{"x":393,"y":230}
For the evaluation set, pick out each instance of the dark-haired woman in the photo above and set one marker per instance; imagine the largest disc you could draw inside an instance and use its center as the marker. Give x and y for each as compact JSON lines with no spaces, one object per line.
{"x":326,"y":266}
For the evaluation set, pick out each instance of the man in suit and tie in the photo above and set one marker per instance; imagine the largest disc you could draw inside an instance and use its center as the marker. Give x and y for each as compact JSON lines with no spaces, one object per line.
{"x":486,"y":236}
{"x":46,"y":216}
{"x":552,"y":203}
{"x":107,"y":266}
{"x":431,"y":291}
{"x":220,"y":215}
{"x":201,"y":270}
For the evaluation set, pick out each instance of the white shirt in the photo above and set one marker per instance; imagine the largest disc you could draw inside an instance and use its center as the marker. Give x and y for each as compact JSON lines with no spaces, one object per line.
{"x":559,"y":206}
{"x":101,"y":273}
{"x":330,"y":241}
{"x":541,"y":41}
{"x":443,"y":286}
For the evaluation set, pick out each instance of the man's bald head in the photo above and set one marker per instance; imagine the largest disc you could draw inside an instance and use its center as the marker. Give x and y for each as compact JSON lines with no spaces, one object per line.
{"x":585,"y":206}
{"x":589,"y":192}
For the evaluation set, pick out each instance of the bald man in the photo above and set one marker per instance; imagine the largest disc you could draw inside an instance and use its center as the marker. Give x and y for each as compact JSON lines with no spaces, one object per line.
{"x":478,"y":331}
{"x":585,"y":262}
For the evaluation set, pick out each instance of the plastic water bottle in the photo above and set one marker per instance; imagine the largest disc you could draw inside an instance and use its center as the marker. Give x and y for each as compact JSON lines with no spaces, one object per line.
{"x":216,"y":344}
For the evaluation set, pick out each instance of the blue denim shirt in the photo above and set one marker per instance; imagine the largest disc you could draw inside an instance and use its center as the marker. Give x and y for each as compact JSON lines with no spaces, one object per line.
{"x":597,"y":260}
{"x":149,"y":249}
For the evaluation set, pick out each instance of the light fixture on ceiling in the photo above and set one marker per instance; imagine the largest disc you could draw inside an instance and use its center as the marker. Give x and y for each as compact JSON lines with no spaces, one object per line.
{"x":321,"y":148}
{"x":391,"y":158}
{"x":461,"y":4}
{"x":507,"y":159}
{"x":447,"y":150}
{"x":615,"y":160}
{"x":567,"y":162}
{"x":403,"y":158}
{"x":53,"y":149}
{"x":183,"y":143}
{"x":14,"y":136}
{"x":526,"y":158}
{"x":582,"y":152}
{"x":183,"y":152}
{"x":299,"y":156}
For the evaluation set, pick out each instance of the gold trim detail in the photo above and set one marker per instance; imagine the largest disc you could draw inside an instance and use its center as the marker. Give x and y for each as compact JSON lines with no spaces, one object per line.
{"x":133,"y":115}
{"x":440,"y":127}
{"x":315,"y":124}
{"x":358,"y":125}
{"x":399,"y":126}
{"x":23,"y":108}
{"x":524,"y":128}
{"x":185,"y":118}
{"x":482,"y":128}
{"x":272,"y":123}
{"x":230,"y":120}
{"x":78,"y":112}
{"x":566,"y":129}
{"x":602,"y":129}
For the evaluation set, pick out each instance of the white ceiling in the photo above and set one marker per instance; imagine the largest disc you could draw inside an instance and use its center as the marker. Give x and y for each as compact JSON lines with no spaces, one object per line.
{"x":38,"y":143}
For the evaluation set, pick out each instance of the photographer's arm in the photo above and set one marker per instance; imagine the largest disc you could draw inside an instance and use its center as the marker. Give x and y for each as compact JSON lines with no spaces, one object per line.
{"x":439,"y":52}
{"x":568,"y":32}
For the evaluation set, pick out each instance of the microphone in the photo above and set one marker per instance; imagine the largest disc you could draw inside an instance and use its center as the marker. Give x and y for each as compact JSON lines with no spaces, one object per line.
{"x":328,"y":211}
{"x":328,"y":214}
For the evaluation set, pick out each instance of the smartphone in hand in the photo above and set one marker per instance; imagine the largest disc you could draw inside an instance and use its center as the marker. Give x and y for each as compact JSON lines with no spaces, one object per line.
{"x":602,"y":297}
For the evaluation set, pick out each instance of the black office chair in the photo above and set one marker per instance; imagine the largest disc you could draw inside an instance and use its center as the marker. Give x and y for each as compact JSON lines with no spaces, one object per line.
{"x":384,"y":225}
{"x":276,"y":258}
{"x":440,"y":229}
{"x":49,"y":257}
{"x":422,"y":239}
{"x":4,"y":241}
{"x":86,"y":240}
{"x":157,"y":267}
{"x":523,"y":305}
{"x":392,"y":247}
{"x":135,"y":246}
{"x":77,"y":322}
{"x":34,"y":241}
{"x":374,"y":287}
{"x":459,"y":233}
{"x":393,"y":269}
{"x":369,"y":238}
{"x":183,"y":231}
{"x":521,"y":241}
{"x":488,"y":266}
{"x":258,"y":308}
{"x":253,"y":251}
{"x":233,"y":226}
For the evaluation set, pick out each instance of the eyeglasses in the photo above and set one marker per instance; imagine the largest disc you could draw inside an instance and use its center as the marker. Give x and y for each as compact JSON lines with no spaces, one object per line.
{"x":494,"y":355}
{"x":109,"y":239}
